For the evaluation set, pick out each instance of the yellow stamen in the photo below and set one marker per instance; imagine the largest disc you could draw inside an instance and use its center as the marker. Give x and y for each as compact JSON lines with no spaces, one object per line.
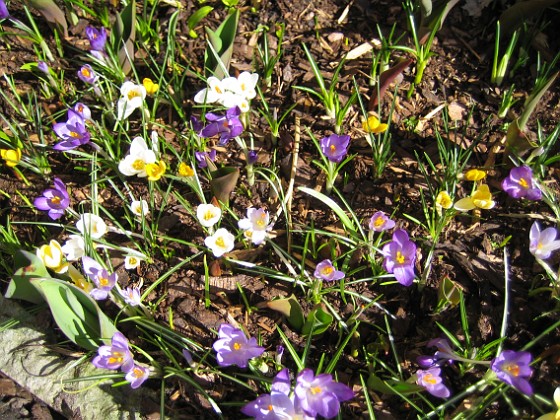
{"x":400,"y":257}
{"x":523,"y":183}
{"x":236,"y":346}
{"x":220,"y":242}
{"x":512,"y":369}
{"x":315,"y":390}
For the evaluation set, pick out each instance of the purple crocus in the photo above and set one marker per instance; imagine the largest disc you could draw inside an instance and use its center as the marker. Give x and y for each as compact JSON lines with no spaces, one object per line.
{"x":431,"y":380}
{"x":83,"y":110}
{"x":97,"y":38}
{"x":443,"y":354}
{"x":103,"y":281}
{"x":54,"y":200}
{"x":320,"y":395}
{"x":116,"y":356}
{"x":335,"y":147}
{"x":73,"y":132}
{"x":4,"y":14}
{"x":512,"y":367}
{"x":542,"y":244}
{"x":400,"y":255}
{"x":252,"y":157}
{"x":380,"y":222}
{"x":87,"y":75}
{"x":44,"y":67}
{"x":520,"y":184}
{"x":202,"y":156}
{"x":325,"y":270}
{"x":137,"y":375}
{"x":234,"y":348}
{"x":228,"y":126}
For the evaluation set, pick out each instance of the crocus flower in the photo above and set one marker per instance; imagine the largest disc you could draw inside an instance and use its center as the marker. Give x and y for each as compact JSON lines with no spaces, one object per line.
{"x":325,"y":271}
{"x":256,"y":225}
{"x":97,"y":38}
{"x":208,"y":215}
{"x":213,"y":93}
{"x":131,"y":296}
{"x":373,"y":125}
{"x":221,"y":242}
{"x":185,"y":170}
{"x":431,"y":380}
{"x":520,"y":184}
{"x":400,"y":255}
{"x":481,"y":198}
{"x":154,"y":171}
{"x":83,"y":111}
{"x":555,"y":415}
{"x":227,"y":126}
{"x":44,"y":67}
{"x":103,"y":281}
{"x":79,"y":280}
{"x":234,"y":348}
{"x":335,"y":147}
{"x":54,"y":200}
{"x":87,"y":75}
{"x":4,"y":14}
{"x":541,"y":244}
{"x":138,"y":157}
{"x":320,"y":395}
{"x":230,"y":92}
{"x":116,"y":356}
{"x":150,"y":86}
{"x":92,"y":225}
{"x":132,"y":97}
{"x":380,"y":222}
{"x":443,"y":354}
{"x":11,"y":156}
{"x":252,"y":157}
{"x":443,"y":200}
{"x":52,"y":257}
{"x":73,"y":132}
{"x":512,"y":367}
{"x":137,"y":375}
{"x":131,"y":262}
{"x":202,"y":156}
{"x":74,"y":248}
{"x":139,"y":208}
{"x":474,"y":174}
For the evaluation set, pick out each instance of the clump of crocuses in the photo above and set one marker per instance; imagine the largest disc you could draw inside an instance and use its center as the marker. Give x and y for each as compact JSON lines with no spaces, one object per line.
{"x":54,"y":200}
{"x":400,"y":255}
{"x":118,"y":356}
{"x":234,"y":348}
{"x":312,"y":396}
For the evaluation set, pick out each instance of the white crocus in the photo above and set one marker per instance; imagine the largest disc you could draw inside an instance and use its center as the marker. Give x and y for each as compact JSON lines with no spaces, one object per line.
{"x":139,"y":208}
{"x":247,"y":83}
{"x":52,"y":256}
{"x":213,"y":93}
{"x":208,"y":215}
{"x":131,"y":262}
{"x":256,"y":225}
{"x":74,"y":248}
{"x":220,"y":242}
{"x":138,"y":157}
{"x":131,"y":296}
{"x":132,"y":97}
{"x":92,"y":225}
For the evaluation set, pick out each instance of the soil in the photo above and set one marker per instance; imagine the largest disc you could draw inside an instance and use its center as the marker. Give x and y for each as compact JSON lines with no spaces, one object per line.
{"x":458,"y":75}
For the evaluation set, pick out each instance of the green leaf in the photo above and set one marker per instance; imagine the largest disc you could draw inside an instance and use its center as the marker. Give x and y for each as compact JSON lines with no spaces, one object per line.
{"x":76,"y":313}
{"x":332,"y":205}
{"x":123,"y":35}
{"x":291,"y":309}
{"x":318,"y":321}
{"x":52,"y":13}
{"x":375,"y":383}
{"x":27,"y":267}
{"x":514,"y":16}
{"x":220,"y":47}
{"x":196,"y":17}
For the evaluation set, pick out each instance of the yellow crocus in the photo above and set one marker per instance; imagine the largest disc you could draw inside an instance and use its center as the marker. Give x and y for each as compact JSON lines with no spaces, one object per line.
{"x":474,"y":174}
{"x":481,"y":198}
{"x":185,"y":170}
{"x":555,"y":415}
{"x":444,"y":200}
{"x":373,"y":125}
{"x":11,"y":156}
{"x":155,"y":170}
{"x":150,"y":86}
